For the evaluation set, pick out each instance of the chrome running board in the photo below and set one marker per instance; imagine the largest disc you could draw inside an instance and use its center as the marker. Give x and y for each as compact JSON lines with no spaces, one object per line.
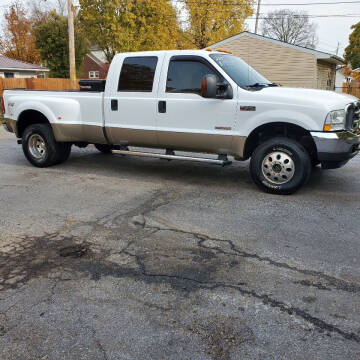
{"x":222,"y":160}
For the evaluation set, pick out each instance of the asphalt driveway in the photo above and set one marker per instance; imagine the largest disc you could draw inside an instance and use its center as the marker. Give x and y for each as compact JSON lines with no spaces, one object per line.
{"x":111,"y":257}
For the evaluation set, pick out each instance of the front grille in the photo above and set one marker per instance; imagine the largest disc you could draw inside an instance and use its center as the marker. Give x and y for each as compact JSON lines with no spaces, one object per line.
{"x":353,"y":117}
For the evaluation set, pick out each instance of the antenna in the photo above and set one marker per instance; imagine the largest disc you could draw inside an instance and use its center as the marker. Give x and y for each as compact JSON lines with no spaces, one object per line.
{"x":337,"y":49}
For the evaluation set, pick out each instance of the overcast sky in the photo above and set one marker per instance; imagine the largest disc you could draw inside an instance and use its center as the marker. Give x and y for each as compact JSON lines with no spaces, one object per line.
{"x":330,"y":30}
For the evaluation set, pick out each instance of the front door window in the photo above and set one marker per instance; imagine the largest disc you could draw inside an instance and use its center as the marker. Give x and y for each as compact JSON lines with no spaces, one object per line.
{"x":186,"y":76}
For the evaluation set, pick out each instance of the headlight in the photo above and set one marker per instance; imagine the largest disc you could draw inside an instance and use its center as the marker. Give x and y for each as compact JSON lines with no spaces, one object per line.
{"x":335,"y":120}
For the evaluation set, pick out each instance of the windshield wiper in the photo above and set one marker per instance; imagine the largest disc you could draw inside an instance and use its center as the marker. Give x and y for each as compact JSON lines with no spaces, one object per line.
{"x":261,"y":85}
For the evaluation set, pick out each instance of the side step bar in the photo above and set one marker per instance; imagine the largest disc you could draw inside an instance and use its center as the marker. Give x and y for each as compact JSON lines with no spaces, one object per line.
{"x":222,"y":160}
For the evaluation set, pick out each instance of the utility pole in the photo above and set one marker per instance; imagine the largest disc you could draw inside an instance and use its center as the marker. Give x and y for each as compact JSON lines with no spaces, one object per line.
{"x":71,"y":43}
{"x":257,"y":16}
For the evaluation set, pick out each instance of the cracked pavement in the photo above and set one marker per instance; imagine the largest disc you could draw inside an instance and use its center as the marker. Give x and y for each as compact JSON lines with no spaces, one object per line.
{"x":110,"y":257}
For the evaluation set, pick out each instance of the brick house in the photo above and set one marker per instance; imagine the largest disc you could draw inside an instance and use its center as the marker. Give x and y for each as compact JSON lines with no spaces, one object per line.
{"x":95,"y":65}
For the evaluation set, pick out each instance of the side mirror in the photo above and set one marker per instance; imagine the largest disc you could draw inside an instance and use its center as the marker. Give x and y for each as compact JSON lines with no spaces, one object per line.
{"x":225,"y":91}
{"x":209,"y":87}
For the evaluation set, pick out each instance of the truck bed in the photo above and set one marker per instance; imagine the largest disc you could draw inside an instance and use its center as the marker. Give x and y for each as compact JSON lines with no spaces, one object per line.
{"x":69,"y":112}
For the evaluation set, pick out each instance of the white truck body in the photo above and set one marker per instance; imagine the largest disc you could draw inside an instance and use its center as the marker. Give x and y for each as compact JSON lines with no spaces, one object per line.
{"x":189,"y":121}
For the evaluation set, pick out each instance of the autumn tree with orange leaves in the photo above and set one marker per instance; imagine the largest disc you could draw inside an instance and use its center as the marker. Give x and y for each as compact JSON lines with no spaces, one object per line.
{"x":348,"y":72}
{"x":18,"y":40}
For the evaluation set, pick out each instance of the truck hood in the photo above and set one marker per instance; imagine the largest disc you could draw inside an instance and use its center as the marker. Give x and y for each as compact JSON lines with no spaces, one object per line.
{"x":309,"y":97}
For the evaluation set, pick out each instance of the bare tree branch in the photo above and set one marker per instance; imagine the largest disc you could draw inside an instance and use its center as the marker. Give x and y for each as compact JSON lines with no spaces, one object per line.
{"x":290,"y":26}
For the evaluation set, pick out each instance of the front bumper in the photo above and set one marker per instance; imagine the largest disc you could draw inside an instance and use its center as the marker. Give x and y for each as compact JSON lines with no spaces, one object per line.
{"x":335,"y":149}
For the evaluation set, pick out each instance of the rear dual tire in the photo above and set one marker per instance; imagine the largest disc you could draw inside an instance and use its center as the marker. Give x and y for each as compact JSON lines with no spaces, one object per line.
{"x":280,"y":166}
{"x":40,"y":147}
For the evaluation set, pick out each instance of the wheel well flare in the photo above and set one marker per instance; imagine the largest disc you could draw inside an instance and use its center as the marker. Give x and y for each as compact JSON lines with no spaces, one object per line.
{"x":282,"y":129}
{"x":29,"y":117}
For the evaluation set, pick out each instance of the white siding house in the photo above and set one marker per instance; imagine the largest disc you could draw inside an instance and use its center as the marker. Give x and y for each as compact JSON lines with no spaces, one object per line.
{"x":283,"y":63}
{"x":10,"y":68}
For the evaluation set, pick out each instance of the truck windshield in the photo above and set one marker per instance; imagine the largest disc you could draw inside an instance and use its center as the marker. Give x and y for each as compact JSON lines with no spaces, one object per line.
{"x":242,"y":73}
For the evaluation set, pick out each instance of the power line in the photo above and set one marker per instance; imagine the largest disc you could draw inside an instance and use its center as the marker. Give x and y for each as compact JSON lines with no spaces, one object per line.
{"x":278,"y":17}
{"x":307,"y":16}
{"x":269,"y":4}
{"x":315,"y":3}
{"x":263,"y":15}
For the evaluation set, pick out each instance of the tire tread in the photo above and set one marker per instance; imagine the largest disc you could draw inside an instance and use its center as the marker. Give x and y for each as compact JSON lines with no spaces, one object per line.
{"x":303,"y":160}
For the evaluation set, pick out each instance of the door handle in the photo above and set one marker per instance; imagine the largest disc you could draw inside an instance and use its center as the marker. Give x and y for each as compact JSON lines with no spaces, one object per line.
{"x":162,"y":107}
{"x":114,"y":105}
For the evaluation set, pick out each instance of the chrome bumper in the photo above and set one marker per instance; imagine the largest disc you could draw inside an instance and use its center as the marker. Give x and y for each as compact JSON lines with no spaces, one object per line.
{"x":336,"y":148}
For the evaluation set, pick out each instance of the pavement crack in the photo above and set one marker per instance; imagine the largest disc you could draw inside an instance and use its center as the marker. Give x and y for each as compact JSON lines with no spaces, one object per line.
{"x":158,"y":199}
{"x":291,"y":310}
{"x":336,"y":283}
{"x":265,"y":299}
{"x":313,"y":284}
{"x":99,"y":344}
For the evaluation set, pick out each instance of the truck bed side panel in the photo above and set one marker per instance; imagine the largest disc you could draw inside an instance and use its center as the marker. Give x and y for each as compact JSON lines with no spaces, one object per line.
{"x":74,"y":116}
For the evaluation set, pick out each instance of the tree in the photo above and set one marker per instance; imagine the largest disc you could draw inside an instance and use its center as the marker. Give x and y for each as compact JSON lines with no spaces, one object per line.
{"x":18,"y":41}
{"x":292,"y":27}
{"x":130,"y":25}
{"x":40,"y":9}
{"x":210,"y":21}
{"x":53,"y":42}
{"x":352,"y":51}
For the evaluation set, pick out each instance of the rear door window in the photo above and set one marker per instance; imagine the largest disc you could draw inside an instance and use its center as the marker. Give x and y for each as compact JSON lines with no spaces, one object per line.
{"x":137,"y":74}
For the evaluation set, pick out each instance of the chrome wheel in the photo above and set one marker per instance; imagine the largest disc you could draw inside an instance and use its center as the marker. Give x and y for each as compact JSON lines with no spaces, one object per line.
{"x":278,"y":167}
{"x":37,"y":146}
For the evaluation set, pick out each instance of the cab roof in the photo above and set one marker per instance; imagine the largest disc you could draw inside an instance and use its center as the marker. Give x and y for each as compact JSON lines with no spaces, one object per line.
{"x":172,"y":52}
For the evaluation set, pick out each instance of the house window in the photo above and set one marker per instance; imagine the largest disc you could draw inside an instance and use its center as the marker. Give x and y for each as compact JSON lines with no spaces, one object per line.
{"x":93,"y":74}
{"x":9,"y":75}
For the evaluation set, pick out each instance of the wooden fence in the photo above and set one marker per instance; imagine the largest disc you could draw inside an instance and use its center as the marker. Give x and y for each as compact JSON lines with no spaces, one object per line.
{"x":352,"y":88}
{"x":67,"y":84}
{"x":37,"y":84}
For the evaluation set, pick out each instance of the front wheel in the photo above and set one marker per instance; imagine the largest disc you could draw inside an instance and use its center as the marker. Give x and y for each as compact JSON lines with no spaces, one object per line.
{"x":280,"y":166}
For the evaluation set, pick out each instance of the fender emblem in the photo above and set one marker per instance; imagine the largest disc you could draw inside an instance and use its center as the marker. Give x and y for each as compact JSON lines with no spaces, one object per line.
{"x":222,"y":128}
{"x":247,"y":108}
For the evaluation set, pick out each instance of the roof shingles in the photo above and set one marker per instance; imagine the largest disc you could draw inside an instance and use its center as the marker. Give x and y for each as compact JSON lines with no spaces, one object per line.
{"x":7,"y":63}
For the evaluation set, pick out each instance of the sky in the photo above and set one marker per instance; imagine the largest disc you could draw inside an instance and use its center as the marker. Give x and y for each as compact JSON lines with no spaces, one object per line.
{"x":330,"y":30}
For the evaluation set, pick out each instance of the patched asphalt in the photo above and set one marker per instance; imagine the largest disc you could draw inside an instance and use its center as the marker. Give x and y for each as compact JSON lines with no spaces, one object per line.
{"x":112,"y":257}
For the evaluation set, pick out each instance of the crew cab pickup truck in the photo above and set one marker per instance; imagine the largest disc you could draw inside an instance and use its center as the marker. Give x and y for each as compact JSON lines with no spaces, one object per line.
{"x":197,"y":101}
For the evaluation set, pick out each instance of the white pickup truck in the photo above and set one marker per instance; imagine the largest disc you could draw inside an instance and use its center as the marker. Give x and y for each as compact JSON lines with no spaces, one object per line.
{"x":197,"y":101}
